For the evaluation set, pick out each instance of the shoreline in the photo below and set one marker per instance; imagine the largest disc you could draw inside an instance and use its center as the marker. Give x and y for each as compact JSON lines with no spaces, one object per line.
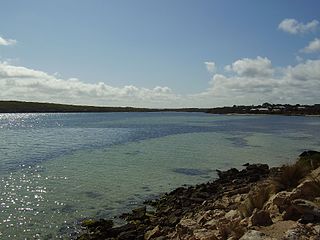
{"x":264,"y":109}
{"x":253,"y":200}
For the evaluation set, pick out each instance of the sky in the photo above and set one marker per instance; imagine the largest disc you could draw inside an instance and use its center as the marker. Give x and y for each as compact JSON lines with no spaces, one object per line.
{"x":168,"y":53}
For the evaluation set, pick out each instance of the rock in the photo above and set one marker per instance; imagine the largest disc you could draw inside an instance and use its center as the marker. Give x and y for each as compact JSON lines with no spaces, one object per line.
{"x":204,"y":234}
{"x":128,"y":235}
{"x":172,"y":220}
{"x":258,"y":168}
{"x":255,"y":235}
{"x":232,"y":214}
{"x":118,"y":230}
{"x":309,"y":210}
{"x":310,"y":159}
{"x":260,"y":218}
{"x":281,"y":200}
{"x":240,"y":190}
{"x":155,"y":232}
{"x":297,"y":233}
{"x":186,"y":226}
{"x":308,"y":153}
{"x":161,"y":238}
{"x":95,"y":224}
{"x":229,"y":174}
{"x":291,"y":213}
{"x":317,"y":229}
{"x":138,"y":213}
{"x":204,"y":217}
{"x":304,"y":190}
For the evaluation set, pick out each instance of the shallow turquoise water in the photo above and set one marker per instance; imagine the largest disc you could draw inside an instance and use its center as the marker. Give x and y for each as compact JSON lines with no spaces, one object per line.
{"x":58,"y":168}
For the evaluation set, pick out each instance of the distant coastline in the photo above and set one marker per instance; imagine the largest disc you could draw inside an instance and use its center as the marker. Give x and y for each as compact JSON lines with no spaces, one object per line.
{"x":265,"y":108}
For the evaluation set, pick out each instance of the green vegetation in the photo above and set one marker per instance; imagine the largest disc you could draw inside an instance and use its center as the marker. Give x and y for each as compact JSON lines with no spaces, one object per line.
{"x":266,"y":108}
{"x":32,"y":107}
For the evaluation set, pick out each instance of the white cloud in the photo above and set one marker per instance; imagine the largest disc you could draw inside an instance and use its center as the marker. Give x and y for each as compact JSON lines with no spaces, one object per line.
{"x":7,"y":42}
{"x":248,"y":81}
{"x":292,"y":26}
{"x":251,"y":67}
{"x":314,"y":46}
{"x":291,"y":84}
{"x":211,"y":66}
{"x":306,"y":71}
{"x":21,"y":83}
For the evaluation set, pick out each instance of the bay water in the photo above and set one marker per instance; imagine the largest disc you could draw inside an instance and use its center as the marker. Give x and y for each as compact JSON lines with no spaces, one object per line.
{"x":59,"y":168}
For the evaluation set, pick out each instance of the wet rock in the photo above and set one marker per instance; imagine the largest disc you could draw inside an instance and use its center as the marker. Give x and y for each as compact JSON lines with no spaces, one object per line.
{"x":258,"y":168}
{"x":227,"y":174}
{"x":138,"y":213}
{"x":102,"y":223}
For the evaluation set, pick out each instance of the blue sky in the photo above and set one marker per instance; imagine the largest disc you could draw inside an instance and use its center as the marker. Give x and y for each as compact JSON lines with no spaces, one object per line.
{"x":153,"y":53}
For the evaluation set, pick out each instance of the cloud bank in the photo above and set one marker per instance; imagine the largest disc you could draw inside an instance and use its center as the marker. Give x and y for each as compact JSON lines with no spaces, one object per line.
{"x":249,"y":81}
{"x":292,"y":26}
{"x":245,"y":81}
{"x":21,"y":83}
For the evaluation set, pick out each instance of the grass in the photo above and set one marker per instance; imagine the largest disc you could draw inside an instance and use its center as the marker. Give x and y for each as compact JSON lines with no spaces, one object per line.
{"x":290,"y":176}
{"x":311,"y":162}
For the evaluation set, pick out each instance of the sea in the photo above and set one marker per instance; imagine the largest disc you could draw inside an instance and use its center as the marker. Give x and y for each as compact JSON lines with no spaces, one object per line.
{"x":57,"y":169}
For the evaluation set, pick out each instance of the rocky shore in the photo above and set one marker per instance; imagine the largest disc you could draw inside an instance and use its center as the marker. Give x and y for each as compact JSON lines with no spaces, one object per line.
{"x":254,"y":203}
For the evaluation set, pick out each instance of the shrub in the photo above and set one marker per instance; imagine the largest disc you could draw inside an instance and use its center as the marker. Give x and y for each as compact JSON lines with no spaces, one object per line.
{"x":311,"y":161}
{"x":290,"y":176}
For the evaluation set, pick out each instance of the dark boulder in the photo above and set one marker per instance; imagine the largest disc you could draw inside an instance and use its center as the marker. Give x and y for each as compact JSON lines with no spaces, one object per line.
{"x":308,"y":153}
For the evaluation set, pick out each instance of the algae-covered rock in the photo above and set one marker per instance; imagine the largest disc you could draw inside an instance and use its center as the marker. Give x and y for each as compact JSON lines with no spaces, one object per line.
{"x":102,"y":223}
